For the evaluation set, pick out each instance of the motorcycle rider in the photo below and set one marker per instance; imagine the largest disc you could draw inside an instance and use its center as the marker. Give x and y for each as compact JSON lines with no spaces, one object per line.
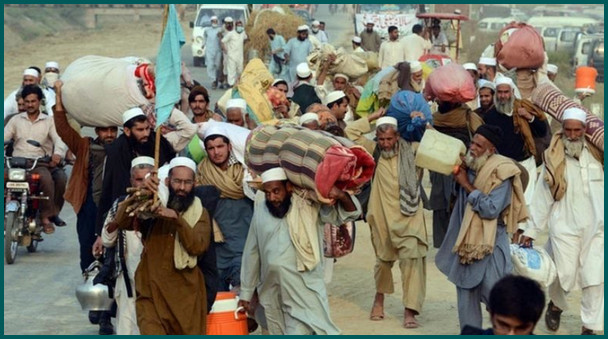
{"x":32,"y":125}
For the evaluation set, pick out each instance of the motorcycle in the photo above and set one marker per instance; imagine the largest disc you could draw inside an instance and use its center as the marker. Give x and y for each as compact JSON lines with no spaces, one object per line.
{"x":22,"y":222}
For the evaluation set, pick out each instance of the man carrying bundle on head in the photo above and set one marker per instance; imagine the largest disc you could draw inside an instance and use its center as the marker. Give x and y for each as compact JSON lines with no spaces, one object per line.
{"x":282,"y":256}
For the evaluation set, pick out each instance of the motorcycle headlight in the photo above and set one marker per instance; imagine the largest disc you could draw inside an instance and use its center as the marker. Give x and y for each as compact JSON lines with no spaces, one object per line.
{"x":199,"y":40}
{"x":16,"y":174}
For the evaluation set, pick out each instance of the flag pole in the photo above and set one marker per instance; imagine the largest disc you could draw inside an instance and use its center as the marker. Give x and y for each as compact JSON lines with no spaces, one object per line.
{"x":158,"y":128}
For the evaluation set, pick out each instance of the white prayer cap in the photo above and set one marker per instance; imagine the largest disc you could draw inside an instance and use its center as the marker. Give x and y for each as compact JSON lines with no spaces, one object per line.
{"x":551,"y":68}
{"x":334,"y":96}
{"x":503,"y":80}
{"x":303,"y":71}
{"x":213,"y":18}
{"x":274,"y":174}
{"x":308,"y":117}
{"x":574,"y":113}
{"x":237,"y":103}
{"x":132,"y":113}
{"x":356,"y":39}
{"x":215,"y":130}
{"x":415,"y":66}
{"x":469,"y":66}
{"x":143,"y":160}
{"x":386,"y":121}
{"x":183,"y":162}
{"x":279,"y":81}
{"x":31,"y":72}
{"x":369,"y":22}
{"x":487,"y":61}
{"x":303,"y":28}
{"x":341,"y":75}
{"x":52,"y":64}
{"x":228,"y":19}
{"x":316,"y":23}
{"x":486,"y":84}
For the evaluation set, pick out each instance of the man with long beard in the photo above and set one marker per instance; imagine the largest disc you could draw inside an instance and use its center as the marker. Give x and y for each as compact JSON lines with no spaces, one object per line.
{"x":569,"y":200}
{"x":455,"y":119}
{"x":232,"y":216}
{"x":475,"y":252}
{"x":370,"y":39}
{"x":171,"y":295}
{"x":521,"y":122}
{"x":134,"y":142}
{"x":281,"y":259}
{"x":395,"y":216}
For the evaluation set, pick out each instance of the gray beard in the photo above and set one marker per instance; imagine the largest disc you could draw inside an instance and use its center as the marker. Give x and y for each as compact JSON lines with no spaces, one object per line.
{"x":505,"y":108}
{"x":476,"y":163}
{"x":573,"y":148}
{"x":390,"y":153}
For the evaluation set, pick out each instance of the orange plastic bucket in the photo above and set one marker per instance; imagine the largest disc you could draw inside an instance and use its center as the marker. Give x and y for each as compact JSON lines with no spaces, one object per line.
{"x":225,"y":318}
{"x":585,"y":79}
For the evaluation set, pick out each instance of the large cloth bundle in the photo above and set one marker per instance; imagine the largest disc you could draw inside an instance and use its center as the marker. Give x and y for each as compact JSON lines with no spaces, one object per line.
{"x":313,"y":160}
{"x":252,"y":86}
{"x":533,"y":263}
{"x":98,"y":90}
{"x":349,"y":64}
{"x":450,"y":83}
{"x":402,"y":105}
{"x":368,"y":102}
{"x":551,"y":100}
{"x":519,"y":46}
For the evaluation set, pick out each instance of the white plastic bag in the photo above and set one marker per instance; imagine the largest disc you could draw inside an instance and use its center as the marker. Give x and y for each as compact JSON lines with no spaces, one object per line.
{"x":534,"y":263}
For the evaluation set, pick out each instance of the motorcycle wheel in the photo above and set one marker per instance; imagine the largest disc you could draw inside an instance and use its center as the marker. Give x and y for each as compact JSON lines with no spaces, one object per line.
{"x":33,"y":246}
{"x":10,"y":243}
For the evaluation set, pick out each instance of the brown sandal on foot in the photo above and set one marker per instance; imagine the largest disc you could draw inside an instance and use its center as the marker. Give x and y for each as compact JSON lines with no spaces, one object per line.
{"x":552,"y":317}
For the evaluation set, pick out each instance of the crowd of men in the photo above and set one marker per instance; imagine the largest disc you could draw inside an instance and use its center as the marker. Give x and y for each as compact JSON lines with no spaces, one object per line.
{"x":213,"y":232}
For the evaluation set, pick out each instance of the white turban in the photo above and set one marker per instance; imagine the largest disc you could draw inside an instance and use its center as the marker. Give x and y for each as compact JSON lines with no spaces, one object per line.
{"x":574,"y":113}
{"x":486,"y":84}
{"x":387,"y":121}
{"x":503,"y":80}
{"x":237,"y":103}
{"x":469,"y":66}
{"x":487,"y":61}
{"x":308,"y":117}
{"x":274,"y":174}
{"x":52,"y":64}
{"x":340,"y":75}
{"x":551,"y":68}
{"x":31,"y":72}
{"x":143,"y":160}
{"x":132,"y":113}
{"x":415,"y":66}
{"x":303,"y":28}
{"x":356,"y":39}
{"x":183,"y":162}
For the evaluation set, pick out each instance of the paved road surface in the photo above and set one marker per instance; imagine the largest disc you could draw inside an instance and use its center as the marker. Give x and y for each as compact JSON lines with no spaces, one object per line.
{"x":39,"y":287}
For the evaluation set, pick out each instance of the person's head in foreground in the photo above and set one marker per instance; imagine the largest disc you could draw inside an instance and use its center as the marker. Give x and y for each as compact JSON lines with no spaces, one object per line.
{"x":516,"y":305}
{"x":277,"y":190}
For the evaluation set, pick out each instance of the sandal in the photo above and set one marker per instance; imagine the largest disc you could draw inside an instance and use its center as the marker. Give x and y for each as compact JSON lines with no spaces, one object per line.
{"x":376,"y":315}
{"x":411,"y":324}
{"x":552,"y":317}
{"x":48,"y":228}
{"x":587,"y":331}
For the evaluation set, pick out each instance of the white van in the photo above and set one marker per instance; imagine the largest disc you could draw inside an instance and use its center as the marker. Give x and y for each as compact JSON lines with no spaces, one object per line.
{"x":549,"y":27}
{"x":203,"y":20}
{"x":565,"y":39}
{"x":493,"y":25}
{"x":582,"y":49}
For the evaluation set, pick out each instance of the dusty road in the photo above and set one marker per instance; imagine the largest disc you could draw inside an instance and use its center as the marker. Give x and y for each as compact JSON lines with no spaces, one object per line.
{"x":39,"y":288}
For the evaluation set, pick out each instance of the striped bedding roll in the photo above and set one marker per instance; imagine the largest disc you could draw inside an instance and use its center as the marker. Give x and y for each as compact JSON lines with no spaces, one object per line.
{"x":301,"y":154}
{"x":554,"y":102}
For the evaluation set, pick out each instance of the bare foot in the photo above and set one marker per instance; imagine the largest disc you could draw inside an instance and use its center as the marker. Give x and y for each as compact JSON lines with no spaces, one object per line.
{"x":409,"y":320}
{"x":377,"y":312}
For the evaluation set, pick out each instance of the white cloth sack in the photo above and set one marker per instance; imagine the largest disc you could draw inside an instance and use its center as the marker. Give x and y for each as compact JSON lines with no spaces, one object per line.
{"x":534,"y":263}
{"x":98,"y":90}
